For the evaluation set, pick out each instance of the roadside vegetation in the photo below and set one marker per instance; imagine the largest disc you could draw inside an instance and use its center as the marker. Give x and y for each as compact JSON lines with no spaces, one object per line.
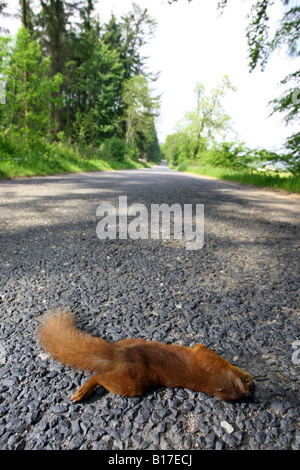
{"x":199,"y":146}
{"x":75,"y":93}
{"x":40,"y":157}
{"x":200,"y":143}
{"x":285,"y":181}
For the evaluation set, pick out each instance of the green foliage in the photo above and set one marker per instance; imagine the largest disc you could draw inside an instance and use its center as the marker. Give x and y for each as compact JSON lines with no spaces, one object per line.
{"x":206,"y":121}
{"x":96,"y":93}
{"x":288,"y":32}
{"x":261,"y":46}
{"x":29,"y":88}
{"x":282,"y":181}
{"x":141,"y":109}
{"x":288,"y":103}
{"x":178,"y":148}
{"x":114,"y":148}
{"x":257,"y":34}
{"x":195,"y":141}
{"x":292,"y":158}
{"x":27,"y":156}
{"x":228,"y":155}
{"x":196,"y":136}
{"x":153,"y":152}
{"x":263,"y":41}
{"x":66,"y":86}
{"x":137,"y":29}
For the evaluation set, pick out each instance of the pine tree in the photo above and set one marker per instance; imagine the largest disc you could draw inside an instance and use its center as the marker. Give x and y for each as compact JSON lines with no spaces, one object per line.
{"x":138,"y":28}
{"x":27,"y":15}
{"x":25,"y":56}
{"x":54,"y":19}
{"x":141,"y":109}
{"x":98,"y":81}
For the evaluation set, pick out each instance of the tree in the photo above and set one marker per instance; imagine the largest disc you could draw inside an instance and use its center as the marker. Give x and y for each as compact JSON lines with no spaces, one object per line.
{"x":86,"y":11}
{"x":98,"y":60}
{"x":98,"y":81}
{"x":113,"y":35}
{"x":196,"y":136}
{"x":137,"y":28}
{"x":178,"y":147}
{"x":292,"y":158}
{"x":36,"y":93}
{"x":141,"y":109}
{"x":153,"y":152}
{"x":26,"y":14}
{"x":127,"y":37}
{"x":90,"y":62}
{"x":261,"y":46}
{"x":54,"y":36}
{"x":209,"y":117}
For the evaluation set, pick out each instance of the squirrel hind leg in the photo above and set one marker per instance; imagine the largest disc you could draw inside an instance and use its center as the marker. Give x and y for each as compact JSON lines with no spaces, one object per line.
{"x":119,"y":382}
{"x":86,"y":389}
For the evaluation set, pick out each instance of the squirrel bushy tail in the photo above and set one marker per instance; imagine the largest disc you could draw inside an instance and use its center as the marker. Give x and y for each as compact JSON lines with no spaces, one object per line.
{"x":65,"y":343}
{"x":130,"y":367}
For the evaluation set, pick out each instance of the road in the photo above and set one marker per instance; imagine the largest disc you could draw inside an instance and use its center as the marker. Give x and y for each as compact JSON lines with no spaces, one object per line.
{"x":238,"y":294}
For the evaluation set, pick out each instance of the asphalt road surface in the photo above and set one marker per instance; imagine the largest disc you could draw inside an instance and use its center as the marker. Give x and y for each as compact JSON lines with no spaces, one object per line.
{"x":238,"y":294}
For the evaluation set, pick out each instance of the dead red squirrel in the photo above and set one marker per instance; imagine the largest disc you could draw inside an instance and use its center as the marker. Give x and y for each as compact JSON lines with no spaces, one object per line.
{"x":132,"y":366}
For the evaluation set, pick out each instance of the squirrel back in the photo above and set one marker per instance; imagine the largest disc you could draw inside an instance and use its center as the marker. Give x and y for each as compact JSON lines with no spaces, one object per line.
{"x":132,"y":366}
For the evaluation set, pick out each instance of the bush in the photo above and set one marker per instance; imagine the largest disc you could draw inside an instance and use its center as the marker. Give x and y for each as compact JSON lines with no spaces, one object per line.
{"x":226,"y":155}
{"x":114,"y":149}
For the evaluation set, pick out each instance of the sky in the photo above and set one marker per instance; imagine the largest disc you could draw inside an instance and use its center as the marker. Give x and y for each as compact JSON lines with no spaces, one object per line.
{"x":194,"y":43}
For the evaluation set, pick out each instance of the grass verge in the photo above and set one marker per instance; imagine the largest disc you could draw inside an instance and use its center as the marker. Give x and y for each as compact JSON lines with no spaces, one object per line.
{"x":24,"y":158}
{"x":277,"y":180}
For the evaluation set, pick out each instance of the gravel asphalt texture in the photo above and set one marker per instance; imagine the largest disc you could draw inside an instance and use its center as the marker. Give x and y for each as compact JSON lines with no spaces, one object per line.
{"x":239,"y":295}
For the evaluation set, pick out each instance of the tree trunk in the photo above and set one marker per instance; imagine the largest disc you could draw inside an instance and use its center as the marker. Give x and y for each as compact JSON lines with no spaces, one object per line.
{"x":24,"y":8}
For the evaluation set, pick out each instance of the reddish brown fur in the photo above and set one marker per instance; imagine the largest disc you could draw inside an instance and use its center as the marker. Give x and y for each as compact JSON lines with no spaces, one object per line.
{"x":132,"y":366}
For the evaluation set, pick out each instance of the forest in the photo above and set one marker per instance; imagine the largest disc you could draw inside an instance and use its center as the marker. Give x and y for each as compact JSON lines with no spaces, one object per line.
{"x":77,"y":95}
{"x":77,"y":90}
